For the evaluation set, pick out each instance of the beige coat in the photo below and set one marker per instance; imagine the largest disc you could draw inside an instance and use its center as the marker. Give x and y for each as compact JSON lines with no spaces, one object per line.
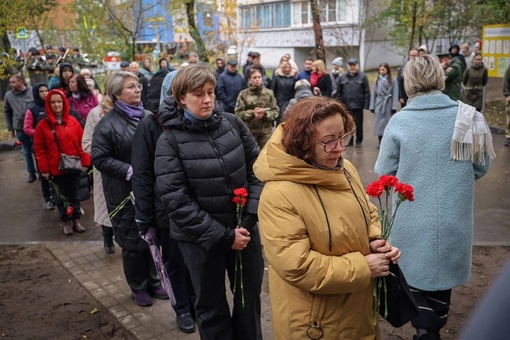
{"x":313,"y":288}
{"x":100,"y":211}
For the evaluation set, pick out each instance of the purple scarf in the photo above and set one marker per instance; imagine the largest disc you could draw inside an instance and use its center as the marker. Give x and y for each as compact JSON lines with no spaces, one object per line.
{"x":133,"y":112}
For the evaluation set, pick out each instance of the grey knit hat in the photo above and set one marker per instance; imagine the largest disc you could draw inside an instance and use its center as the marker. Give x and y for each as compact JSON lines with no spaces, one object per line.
{"x":338,"y":61}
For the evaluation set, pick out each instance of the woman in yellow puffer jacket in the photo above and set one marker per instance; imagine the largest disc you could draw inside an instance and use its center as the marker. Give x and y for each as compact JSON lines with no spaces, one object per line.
{"x":320,"y":232}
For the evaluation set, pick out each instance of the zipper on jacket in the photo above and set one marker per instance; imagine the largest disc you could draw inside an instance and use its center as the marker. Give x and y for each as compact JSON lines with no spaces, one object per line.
{"x":220,"y":159}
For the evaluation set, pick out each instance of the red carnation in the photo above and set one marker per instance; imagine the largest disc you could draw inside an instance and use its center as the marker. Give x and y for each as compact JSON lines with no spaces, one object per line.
{"x":239,"y":200}
{"x":375,"y":189}
{"x":69,"y":210}
{"x":241,"y":192}
{"x":405,"y":192}
{"x":388,"y":181}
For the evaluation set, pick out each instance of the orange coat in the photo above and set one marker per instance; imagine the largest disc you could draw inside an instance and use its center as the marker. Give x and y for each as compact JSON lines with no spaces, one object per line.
{"x":311,"y":287}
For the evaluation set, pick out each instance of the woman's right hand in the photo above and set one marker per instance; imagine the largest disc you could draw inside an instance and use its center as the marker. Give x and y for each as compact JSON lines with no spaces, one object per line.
{"x":379,"y":265}
{"x":242,"y":239}
{"x":46,"y":175}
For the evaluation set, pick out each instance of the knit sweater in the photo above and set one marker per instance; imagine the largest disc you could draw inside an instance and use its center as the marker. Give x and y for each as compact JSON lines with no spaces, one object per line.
{"x":435,"y":232}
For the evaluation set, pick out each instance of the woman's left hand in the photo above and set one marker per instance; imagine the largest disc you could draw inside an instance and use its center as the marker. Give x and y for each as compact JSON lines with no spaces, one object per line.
{"x":382,"y":246}
{"x":84,"y":168}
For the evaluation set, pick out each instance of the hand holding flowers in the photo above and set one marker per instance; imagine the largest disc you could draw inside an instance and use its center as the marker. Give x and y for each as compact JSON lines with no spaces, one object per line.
{"x":382,"y":249}
{"x":242,"y":237}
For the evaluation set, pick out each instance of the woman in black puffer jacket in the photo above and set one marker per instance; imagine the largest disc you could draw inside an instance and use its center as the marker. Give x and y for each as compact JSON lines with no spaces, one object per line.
{"x":203,"y":155}
{"x":111,"y":155}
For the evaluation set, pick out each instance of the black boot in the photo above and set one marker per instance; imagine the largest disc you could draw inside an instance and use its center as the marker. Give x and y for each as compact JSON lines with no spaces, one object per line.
{"x":108,"y":239}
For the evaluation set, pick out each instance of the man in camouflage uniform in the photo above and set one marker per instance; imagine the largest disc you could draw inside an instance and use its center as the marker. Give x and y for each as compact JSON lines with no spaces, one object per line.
{"x":37,"y":68}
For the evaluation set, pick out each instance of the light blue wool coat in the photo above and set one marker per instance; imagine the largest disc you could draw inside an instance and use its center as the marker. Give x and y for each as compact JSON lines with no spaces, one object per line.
{"x":435,"y":232}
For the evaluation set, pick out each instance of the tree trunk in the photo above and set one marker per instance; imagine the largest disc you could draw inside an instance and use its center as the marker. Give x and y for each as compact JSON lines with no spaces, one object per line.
{"x":317,"y":30}
{"x":413,"y":28}
{"x":195,"y":34}
{"x":5,"y":45}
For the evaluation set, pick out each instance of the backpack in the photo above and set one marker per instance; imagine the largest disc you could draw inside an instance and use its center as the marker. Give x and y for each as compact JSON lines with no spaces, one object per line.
{"x":154,"y":91}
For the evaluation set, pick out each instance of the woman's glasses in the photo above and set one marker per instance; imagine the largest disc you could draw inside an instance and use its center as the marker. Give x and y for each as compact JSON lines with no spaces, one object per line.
{"x":331,"y":144}
{"x":133,"y":87}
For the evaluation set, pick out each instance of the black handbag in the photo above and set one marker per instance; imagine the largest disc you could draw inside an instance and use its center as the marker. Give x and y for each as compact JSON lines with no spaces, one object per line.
{"x":401,"y":304}
{"x":67,"y":162}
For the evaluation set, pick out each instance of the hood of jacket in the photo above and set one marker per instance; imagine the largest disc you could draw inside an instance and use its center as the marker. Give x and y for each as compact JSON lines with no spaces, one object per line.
{"x":49,"y":111}
{"x":171,"y":117}
{"x":39,"y":104}
{"x":275,"y":164}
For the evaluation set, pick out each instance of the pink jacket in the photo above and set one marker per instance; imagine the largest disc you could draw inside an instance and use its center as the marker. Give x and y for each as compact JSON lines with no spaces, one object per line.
{"x":83,"y":105}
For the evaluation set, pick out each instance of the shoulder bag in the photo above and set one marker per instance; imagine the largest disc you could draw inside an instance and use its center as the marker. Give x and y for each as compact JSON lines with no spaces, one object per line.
{"x":67,"y":163}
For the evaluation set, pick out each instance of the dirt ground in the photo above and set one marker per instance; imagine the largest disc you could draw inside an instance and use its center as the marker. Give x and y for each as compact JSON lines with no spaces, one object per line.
{"x":40,"y":299}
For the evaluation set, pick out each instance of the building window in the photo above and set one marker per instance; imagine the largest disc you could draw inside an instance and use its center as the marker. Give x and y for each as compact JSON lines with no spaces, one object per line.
{"x":266,"y":15}
{"x":331,"y":11}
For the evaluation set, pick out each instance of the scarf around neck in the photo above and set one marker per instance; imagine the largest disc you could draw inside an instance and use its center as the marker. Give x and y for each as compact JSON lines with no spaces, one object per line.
{"x":472,"y":139}
{"x":133,"y":112}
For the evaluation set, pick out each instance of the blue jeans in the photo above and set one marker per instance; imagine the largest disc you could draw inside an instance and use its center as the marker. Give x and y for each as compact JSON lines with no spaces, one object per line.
{"x":26,"y":149}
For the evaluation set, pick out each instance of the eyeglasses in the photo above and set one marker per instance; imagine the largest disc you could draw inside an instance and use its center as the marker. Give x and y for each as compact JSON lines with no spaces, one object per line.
{"x":133,"y":87}
{"x":330,"y":144}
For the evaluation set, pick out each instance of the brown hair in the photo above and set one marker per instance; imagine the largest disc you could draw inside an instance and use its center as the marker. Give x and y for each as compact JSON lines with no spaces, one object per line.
{"x":388,"y":70}
{"x":191,"y":78}
{"x":299,"y":129}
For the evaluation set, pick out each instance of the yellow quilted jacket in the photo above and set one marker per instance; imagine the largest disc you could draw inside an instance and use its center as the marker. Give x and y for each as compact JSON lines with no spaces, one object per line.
{"x":315,"y":290}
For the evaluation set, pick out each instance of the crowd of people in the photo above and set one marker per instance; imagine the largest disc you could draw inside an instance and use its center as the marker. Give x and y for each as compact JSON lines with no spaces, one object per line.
{"x":198,"y":136}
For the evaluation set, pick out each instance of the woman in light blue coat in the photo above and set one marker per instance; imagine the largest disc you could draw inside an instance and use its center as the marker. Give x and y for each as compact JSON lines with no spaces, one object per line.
{"x":424,"y":146}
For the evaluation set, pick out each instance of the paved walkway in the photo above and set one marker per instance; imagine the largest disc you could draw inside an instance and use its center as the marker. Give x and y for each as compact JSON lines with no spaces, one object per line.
{"x":102,"y":275}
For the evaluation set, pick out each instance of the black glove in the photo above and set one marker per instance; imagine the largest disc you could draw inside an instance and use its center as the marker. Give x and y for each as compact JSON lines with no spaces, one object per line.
{"x":373,"y":111}
{"x":143,"y":228}
{"x":393,"y":112}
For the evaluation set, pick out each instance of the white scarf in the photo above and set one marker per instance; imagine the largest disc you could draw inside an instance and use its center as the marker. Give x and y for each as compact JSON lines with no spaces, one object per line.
{"x":472,"y":139}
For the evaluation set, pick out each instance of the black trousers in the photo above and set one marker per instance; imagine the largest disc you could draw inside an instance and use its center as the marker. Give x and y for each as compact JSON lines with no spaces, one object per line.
{"x":211,"y":307}
{"x":434,"y":307}
{"x":177,"y":273}
{"x":357,"y":114}
{"x":67,"y":191}
{"x":140,"y":271}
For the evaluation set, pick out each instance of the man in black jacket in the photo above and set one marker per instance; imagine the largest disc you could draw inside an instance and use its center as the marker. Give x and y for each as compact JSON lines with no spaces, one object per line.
{"x":354,"y":92}
{"x":135,"y":68}
{"x":402,"y":95}
{"x":230,"y":84}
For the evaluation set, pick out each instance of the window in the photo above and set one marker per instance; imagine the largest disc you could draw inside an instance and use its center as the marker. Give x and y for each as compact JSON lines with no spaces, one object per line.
{"x":246,"y":17}
{"x":266,"y":15}
{"x":331,"y":11}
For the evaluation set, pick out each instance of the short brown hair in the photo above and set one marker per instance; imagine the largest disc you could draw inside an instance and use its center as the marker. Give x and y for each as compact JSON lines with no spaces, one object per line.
{"x":191,"y":78}
{"x":299,"y":124}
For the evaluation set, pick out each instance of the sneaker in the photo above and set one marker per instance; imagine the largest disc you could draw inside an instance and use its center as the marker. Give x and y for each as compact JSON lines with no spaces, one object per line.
{"x":49,"y":205}
{"x":142,"y":299}
{"x":186,"y":323}
{"x":160,"y":293}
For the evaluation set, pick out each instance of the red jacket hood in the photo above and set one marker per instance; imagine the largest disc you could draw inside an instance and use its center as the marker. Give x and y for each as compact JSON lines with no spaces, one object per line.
{"x":49,"y":111}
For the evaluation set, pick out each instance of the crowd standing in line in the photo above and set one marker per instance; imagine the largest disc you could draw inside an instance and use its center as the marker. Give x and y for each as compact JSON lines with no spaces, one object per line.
{"x":168,"y":193}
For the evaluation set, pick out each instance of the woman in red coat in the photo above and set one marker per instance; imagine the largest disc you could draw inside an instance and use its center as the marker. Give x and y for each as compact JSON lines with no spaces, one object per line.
{"x":69,"y":133}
